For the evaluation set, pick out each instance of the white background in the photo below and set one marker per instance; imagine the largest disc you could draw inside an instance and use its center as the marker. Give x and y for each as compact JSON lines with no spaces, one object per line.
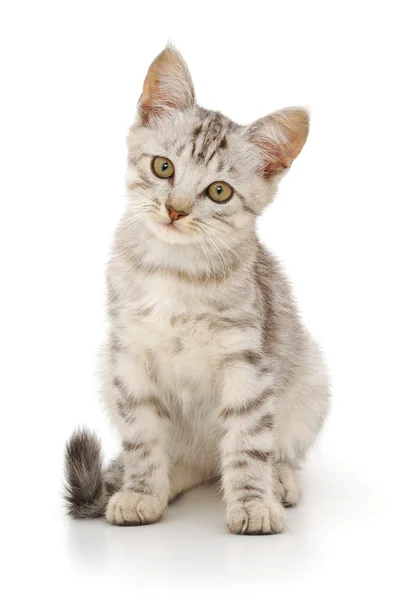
{"x":71,"y":74}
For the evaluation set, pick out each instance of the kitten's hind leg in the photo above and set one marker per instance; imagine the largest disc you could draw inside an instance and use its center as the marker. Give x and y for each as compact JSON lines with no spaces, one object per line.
{"x":286,"y":484}
{"x":183,"y":479}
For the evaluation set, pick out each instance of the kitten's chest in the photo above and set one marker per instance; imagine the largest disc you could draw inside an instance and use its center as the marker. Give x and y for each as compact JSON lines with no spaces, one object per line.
{"x":178,"y":336}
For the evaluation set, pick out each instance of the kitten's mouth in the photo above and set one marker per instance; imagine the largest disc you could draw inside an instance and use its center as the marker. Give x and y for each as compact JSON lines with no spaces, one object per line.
{"x":170,"y":231}
{"x":173,"y":226}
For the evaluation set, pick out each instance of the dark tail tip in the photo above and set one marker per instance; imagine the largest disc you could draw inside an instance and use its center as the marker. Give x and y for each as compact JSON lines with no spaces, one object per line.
{"x":84,"y":487}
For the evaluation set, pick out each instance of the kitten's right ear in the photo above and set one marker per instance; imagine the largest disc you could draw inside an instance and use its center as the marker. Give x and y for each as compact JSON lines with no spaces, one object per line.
{"x":167,"y":86}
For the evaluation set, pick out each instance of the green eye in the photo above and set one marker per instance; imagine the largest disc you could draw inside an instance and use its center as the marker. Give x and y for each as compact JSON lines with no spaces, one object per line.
{"x":219,"y":191}
{"x":162,"y":167}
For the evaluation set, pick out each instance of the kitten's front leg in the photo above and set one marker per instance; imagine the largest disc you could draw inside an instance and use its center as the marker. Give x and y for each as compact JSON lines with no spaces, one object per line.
{"x":248,"y":417}
{"x":143,"y":422}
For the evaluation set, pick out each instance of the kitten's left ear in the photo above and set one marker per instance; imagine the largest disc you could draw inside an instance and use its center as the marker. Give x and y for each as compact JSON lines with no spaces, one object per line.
{"x":167,"y":86}
{"x":280,"y":138}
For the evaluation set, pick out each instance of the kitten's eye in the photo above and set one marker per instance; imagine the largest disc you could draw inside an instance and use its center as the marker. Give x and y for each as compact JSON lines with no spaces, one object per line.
{"x":219,"y":191}
{"x":162,"y":167}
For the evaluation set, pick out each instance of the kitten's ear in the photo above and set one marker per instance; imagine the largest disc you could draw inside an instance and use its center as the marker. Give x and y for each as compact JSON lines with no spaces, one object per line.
{"x":280,"y":138}
{"x":167,"y":86}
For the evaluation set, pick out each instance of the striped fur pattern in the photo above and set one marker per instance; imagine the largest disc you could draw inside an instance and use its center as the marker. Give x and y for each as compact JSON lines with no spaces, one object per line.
{"x":208,"y":372}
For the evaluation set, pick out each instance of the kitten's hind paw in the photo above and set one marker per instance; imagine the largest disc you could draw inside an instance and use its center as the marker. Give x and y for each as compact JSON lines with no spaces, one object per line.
{"x":255,"y":518}
{"x":129,"y":508}
{"x":286,"y":484}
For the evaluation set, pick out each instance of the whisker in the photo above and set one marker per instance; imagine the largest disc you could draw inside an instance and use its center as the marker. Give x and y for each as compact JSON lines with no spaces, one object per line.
{"x":223,"y":262}
{"x":206,"y":262}
{"x":223,"y":220}
{"x":210,"y":225}
{"x":228,"y":247}
{"x":208,"y":259}
{"x":218,"y":252}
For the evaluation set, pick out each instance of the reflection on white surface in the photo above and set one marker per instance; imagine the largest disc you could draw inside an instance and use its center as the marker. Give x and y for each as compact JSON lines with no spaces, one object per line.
{"x":191,"y":547}
{"x":341,"y":531}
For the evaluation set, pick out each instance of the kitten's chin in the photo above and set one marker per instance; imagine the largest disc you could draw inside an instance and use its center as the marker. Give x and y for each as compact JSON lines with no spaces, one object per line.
{"x":170,"y":233}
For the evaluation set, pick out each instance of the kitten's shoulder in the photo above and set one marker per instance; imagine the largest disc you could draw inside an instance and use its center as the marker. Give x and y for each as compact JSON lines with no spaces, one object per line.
{"x":123,"y":249}
{"x":268,"y":269}
{"x":123,"y":260}
{"x":280,"y":309}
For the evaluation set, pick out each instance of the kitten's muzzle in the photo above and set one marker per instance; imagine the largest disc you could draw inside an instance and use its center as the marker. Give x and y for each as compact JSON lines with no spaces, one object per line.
{"x":175,"y":214}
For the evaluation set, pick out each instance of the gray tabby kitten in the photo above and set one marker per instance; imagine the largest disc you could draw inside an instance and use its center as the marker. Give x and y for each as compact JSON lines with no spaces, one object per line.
{"x":209,"y":372}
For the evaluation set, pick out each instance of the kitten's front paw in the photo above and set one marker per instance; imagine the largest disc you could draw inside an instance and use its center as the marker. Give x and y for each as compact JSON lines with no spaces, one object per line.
{"x":255,"y":518}
{"x":129,"y":508}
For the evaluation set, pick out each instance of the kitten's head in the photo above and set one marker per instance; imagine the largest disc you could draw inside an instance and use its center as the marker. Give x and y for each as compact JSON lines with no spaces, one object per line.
{"x":194,"y":173}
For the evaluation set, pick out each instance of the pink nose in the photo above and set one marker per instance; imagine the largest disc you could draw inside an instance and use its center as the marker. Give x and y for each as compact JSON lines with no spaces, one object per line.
{"x":175,"y":214}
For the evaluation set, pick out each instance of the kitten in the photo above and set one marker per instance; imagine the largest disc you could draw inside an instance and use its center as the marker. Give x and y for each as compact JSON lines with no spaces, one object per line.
{"x":209,"y":372}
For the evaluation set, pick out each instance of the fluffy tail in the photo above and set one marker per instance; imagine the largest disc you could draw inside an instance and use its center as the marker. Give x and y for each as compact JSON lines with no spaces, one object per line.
{"x":85,"y":493}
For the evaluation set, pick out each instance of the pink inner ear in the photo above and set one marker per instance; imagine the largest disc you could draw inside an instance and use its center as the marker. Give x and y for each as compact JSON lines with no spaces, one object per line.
{"x":149,"y":100}
{"x":271,"y":168}
{"x":274,"y":158}
{"x":167,"y":85}
{"x":154,"y":105}
{"x":280,"y":137}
